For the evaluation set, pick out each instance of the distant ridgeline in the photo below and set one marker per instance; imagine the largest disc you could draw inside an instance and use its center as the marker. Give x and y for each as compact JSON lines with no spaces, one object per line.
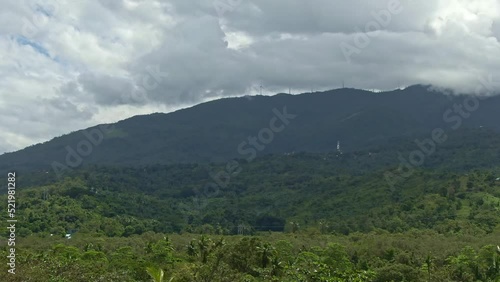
{"x":243,"y":128}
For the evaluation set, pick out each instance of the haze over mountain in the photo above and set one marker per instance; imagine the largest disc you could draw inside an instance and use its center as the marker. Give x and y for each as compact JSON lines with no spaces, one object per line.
{"x":241,"y":128}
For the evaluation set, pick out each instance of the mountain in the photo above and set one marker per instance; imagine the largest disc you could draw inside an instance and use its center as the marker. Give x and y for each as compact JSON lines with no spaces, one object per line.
{"x":299,"y":205}
{"x":219,"y":130}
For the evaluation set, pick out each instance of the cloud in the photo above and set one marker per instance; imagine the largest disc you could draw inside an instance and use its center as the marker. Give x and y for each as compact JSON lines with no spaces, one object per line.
{"x":70,"y":65}
{"x":495,"y":29}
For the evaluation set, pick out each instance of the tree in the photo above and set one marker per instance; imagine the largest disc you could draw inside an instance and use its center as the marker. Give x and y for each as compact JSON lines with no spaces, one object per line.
{"x":266,"y":252}
{"x":428,"y":265}
{"x":162,"y":251}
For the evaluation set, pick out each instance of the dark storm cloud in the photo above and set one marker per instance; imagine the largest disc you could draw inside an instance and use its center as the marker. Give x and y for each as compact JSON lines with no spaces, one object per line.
{"x":296,"y":44}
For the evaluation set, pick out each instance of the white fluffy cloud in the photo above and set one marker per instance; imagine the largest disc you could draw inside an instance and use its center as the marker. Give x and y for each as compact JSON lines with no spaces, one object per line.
{"x":67,"y":65}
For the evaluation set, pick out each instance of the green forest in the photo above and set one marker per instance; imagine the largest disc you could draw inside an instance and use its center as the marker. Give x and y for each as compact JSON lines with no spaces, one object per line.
{"x":292,"y":217}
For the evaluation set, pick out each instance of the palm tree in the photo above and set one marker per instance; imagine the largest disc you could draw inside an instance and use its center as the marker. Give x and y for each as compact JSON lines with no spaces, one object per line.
{"x":267,"y":252}
{"x":429,"y":263}
{"x":204,"y":248}
{"x":191,"y":249}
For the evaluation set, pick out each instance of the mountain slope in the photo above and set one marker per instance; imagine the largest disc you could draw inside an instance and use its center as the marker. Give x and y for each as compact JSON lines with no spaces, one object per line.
{"x":215,"y":131}
{"x":266,"y":194}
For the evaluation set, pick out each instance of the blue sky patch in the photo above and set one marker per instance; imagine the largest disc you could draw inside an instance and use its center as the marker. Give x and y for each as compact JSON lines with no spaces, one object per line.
{"x":36,"y":46}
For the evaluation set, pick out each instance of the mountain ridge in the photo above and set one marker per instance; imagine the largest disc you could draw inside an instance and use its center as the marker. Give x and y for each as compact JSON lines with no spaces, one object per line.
{"x":214,"y":130}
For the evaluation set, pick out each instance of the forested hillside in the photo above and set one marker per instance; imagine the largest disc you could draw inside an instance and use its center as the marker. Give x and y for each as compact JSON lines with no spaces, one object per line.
{"x":297,"y":217}
{"x":311,"y":190}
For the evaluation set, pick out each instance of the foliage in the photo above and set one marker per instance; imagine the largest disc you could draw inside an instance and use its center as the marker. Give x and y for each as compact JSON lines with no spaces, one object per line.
{"x":374,"y":256}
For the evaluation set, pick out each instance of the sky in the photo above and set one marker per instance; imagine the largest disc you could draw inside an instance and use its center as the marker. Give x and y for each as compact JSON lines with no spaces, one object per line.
{"x":68,"y":65}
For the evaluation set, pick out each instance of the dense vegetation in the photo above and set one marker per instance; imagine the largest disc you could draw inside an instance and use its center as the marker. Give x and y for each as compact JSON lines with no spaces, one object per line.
{"x":300,"y":217}
{"x":267,"y":194}
{"x":416,"y":255}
